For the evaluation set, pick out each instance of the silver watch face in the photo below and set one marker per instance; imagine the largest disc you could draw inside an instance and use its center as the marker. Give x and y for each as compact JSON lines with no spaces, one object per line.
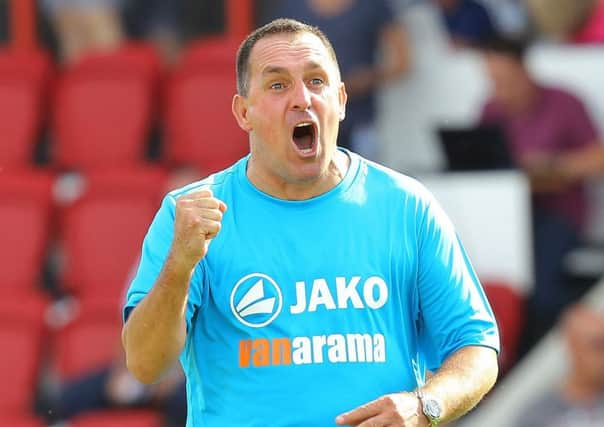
{"x":432,"y":408}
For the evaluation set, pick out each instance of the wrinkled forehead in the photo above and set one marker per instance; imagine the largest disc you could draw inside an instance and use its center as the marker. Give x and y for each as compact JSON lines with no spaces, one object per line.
{"x":290,"y":51}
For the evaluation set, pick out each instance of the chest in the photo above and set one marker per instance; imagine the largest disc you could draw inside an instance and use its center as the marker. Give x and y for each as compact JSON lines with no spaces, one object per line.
{"x":544,"y":130}
{"x":310,"y":275}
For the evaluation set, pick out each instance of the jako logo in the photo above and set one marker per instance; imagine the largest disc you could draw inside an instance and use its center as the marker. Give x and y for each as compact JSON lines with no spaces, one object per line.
{"x":256,"y":300}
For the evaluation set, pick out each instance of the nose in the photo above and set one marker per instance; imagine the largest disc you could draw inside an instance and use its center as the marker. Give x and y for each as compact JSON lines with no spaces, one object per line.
{"x":301,"y":100}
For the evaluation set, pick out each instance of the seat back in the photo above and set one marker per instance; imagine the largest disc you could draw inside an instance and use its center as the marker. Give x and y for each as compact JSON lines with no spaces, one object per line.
{"x":508,"y":307}
{"x":25,"y":227}
{"x":125,"y":418}
{"x":199,"y":125}
{"x":19,"y":362}
{"x":102,"y":237}
{"x":24,"y":84}
{"x":87,"y":344}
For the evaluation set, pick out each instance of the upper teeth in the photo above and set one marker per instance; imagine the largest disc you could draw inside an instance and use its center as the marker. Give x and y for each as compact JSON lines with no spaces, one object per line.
{"x":299,"y":125}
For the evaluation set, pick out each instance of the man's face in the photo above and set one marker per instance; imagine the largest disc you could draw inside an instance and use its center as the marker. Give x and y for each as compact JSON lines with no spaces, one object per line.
{"x":508,"y":79}
{"x":292,"y":110}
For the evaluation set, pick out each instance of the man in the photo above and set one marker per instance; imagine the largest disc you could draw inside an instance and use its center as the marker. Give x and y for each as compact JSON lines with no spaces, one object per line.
{"x":329,"y":283}
{"x":552,"y":139}
{"x":375,"y":53}
{"x":580,"y":400}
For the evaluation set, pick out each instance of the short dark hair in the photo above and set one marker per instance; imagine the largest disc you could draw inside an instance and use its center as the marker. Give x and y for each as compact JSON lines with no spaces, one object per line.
{"x":277,"y":26}
{"x":515,"y":48}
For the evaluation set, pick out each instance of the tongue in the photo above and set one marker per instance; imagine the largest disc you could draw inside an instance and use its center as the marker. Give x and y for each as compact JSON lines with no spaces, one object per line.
{"x":303,"y":142}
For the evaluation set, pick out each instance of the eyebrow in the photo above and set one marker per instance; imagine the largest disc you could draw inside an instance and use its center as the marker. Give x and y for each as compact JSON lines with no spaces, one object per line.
{"x":275,"y":69}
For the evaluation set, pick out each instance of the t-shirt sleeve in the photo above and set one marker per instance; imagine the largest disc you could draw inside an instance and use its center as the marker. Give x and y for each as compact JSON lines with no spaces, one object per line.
{"x":156,"y":246}
{"x":580,"y":129}
{"x":454,"y":311}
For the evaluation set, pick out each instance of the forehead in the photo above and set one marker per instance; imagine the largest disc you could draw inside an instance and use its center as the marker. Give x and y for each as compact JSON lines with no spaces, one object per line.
{"x":289,"y":51}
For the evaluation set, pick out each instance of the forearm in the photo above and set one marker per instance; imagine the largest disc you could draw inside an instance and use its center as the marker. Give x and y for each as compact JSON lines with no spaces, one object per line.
{"x":154,"y":335}
{"x":463,"y":380}
{"x":582,"y":164}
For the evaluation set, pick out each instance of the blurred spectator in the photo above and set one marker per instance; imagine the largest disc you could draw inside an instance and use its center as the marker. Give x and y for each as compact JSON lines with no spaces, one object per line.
{"x":170,"y":24}
{"x":561,"y":19}
{"x":467,"y":21}
{"x":84,"y":25}
{"x":372,"y":49}
{"x":112,"y":386}
{"x":158,"y":21}
{"x":580,"y":400}
{"x":552,"y":138}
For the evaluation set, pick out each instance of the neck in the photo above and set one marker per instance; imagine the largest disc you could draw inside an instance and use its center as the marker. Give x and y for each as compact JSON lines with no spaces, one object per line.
{"x":301,"y":190}
{"x":526,"y":103}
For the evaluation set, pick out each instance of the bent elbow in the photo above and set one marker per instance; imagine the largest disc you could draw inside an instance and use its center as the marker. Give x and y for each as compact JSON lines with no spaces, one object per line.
{"x":141,"y":371}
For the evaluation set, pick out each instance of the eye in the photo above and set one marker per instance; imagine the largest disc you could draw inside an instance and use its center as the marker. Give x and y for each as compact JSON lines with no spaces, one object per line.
{"x":316,"y":81}
{"x":277,"y":86}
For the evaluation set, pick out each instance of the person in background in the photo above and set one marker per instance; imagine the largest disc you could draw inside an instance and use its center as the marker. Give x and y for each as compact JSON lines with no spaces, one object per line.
{"x":375,"y":52}
{"x":84,"y":25}
{"x":552,"y":138}
{"x":580,"y":399}
{"x":113,"y":387}
{"x":467,"y":21}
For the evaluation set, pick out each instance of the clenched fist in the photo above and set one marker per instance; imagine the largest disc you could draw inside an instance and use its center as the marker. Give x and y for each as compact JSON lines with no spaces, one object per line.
{"x":197,"y":221}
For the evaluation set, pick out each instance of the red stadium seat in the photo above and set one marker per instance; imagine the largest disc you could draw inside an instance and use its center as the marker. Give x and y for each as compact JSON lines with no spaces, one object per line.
{"x":102,"y":111}
{"x":141,"y":55}
{"x":147,"y":181}
{"x":25,"y":198}
{"x":25,"y":201}
{"x":213,"y":51}
{"x":21,"y":421}
{"x":19,"y":362}
{"x":508,"y":307}
{"x":102,"y":237}
{"x":129,"y":418}
{"x":200,"y":129}
{"x":24,"y":79}
{"x":36,"y":64}
{"x":88,"y":343}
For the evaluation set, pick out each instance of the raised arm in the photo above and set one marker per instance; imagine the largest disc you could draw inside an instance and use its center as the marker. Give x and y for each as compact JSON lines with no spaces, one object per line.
{"x":154,"y":333}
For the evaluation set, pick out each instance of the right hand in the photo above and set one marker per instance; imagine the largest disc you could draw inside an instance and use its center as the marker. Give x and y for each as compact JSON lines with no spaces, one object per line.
{"x":197,"y":221}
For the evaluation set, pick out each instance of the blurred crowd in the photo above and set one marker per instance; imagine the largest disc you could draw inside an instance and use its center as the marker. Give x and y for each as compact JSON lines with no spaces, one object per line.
{"x":550,"y":133}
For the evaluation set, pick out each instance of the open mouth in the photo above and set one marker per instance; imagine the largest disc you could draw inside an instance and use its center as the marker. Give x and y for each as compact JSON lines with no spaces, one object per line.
{"x":304,"y":137}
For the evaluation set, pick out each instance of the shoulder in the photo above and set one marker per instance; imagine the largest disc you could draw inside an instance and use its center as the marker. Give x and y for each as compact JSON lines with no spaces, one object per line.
{"x":561,"y":96}
{"x":391,"y":183}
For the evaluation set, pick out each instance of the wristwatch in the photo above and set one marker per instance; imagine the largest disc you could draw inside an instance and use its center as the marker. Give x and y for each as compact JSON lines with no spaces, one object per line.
{"x":431,"y":408}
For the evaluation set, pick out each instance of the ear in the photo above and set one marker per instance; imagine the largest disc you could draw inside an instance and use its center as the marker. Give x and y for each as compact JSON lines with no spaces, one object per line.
{"x":342,"y":97}
{"x":240,"y":111}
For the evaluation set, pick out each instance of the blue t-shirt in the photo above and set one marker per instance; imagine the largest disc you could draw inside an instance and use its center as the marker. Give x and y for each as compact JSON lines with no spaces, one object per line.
{"x":302,"y":310}
{"x":355,"y":35}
